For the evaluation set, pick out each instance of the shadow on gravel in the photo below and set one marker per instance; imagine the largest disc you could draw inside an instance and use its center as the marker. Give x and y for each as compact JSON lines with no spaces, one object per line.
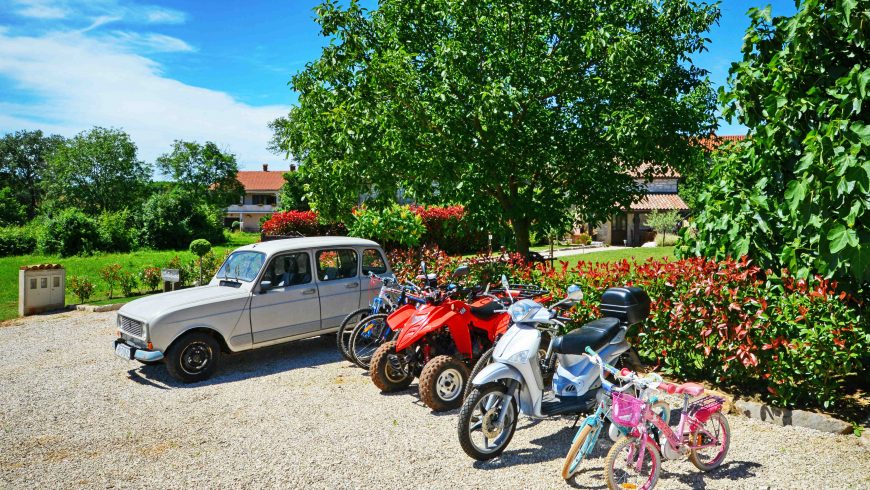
{"x":548,"y":448}
{"x":731,"y":470}
{"x":308,"y":353}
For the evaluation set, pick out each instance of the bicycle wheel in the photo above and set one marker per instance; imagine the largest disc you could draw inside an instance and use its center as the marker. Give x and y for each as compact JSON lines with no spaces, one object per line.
{"x":621,"y":470}
{"x":369,"y":334}
{"x":714,"y":431}
{"x":346,"y":328}
{"x":583,"y":445}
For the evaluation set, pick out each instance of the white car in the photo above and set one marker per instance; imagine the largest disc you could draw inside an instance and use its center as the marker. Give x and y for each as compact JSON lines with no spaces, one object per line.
{"x":264,"y":294}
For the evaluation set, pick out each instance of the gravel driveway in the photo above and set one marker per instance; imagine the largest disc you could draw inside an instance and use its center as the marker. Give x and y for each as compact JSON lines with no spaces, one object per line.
{"x":72,"y":414}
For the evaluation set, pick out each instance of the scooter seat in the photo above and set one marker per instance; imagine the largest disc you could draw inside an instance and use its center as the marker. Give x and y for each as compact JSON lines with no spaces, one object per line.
{"x":486,"y":311}
{"x":595,"y":334}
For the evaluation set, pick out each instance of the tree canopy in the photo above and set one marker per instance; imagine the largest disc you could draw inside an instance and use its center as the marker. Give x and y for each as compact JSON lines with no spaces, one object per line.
{"x":204,"y":171}
{"x":23,"y":157}
{"x":795,"y":193}
{"x":518,"y":110}
{"x":96,"y":171}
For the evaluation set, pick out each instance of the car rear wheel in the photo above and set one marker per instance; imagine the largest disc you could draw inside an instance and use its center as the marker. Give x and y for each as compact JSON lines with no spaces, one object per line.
{"x":194,"y":357}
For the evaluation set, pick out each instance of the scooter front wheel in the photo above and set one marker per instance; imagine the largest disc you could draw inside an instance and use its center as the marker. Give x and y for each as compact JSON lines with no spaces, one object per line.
{"x":480,"y":434}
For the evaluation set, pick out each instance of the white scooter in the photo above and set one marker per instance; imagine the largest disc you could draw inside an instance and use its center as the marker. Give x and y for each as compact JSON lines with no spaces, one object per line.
{"x":489,"y":414}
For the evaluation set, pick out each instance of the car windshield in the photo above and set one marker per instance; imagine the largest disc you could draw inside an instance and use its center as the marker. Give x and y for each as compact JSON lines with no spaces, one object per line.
{"x":242,"y":266}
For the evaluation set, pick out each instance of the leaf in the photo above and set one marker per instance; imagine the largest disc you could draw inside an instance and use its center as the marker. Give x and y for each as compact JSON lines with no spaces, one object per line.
{"x":841,"y":237}
{"x":795,"y":193}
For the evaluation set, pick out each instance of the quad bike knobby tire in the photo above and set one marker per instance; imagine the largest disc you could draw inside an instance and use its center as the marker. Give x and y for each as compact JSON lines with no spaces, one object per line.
{"x":385,"y":370}
{"x":442,"y":383}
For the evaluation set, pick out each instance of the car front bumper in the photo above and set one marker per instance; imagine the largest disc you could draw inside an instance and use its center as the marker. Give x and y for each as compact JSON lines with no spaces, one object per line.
{"x":130,"y":352}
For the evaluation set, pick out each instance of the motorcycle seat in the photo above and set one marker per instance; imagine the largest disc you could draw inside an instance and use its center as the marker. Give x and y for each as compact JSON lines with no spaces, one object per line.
{"x":595,"y":334}
{"x":487,"y":310}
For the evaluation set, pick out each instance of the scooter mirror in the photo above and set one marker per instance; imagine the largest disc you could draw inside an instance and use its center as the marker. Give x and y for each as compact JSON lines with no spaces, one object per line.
{"x":461,"y":271}
{"x":575,"y":293}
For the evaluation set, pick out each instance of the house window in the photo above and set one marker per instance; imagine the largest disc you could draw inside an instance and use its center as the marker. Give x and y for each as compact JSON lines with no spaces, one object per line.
{"x":264,"y":199}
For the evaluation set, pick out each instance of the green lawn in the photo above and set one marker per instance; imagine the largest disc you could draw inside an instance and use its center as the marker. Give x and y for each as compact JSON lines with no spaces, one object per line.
{"x":638,"y":254}
{"x":89,"y":267}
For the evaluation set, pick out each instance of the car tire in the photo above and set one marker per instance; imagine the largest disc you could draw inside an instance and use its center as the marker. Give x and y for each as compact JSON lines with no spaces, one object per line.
{"x":443,"y":382}
{"x":383,"y":372}
{"x":193,"y":357}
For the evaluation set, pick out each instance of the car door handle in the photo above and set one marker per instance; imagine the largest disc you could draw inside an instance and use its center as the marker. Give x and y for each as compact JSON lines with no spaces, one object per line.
{"x":309,"y":291}
{"x":352,"y":285}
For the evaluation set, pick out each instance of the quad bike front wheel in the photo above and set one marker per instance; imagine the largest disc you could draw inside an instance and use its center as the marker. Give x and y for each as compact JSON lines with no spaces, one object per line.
{"x":442,"y":382}
{"x":387,"y":370}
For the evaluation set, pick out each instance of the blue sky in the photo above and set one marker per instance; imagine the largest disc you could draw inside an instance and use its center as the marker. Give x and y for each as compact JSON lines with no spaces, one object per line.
{"x":214,"y":70}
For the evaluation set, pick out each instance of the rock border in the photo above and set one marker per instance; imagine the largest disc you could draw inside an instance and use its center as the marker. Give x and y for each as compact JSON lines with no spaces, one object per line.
{"x":98,"y":308}
{"x":785,"y":417}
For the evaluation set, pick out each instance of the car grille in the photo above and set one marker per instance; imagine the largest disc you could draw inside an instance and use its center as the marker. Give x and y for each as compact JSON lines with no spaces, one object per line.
{"x":132,"y":327}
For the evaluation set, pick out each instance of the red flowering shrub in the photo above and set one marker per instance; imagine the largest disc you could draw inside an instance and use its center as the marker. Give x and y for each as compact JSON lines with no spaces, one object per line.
{"x":292,"y":223}
{"x":727,"y":322}
{"x":448,"y":229}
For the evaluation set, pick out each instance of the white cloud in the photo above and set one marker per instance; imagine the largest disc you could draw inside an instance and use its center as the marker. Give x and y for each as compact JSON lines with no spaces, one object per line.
{"x":79,"y":80}
{"x":96,"y":12}
{"x":151,"y":42}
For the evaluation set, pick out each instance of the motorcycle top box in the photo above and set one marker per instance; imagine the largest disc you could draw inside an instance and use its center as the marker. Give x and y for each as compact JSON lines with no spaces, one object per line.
{"x":630,"y":305}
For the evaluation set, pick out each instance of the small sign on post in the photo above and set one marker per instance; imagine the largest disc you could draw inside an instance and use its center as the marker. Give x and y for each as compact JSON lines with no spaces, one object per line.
{"x":171,"y":277}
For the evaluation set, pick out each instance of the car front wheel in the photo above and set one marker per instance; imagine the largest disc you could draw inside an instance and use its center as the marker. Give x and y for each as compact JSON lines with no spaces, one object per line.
{"x":194,"y":357}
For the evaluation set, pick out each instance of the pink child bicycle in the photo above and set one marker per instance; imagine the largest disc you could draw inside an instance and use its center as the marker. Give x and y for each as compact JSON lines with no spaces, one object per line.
{"x":702,"y":434}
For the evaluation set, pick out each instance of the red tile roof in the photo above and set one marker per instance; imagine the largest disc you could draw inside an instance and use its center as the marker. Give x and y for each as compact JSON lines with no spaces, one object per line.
{"x":714,"y":141}
{"x":661,"y":202}
{"x":261,"y":180}
{"x":657,"y":173}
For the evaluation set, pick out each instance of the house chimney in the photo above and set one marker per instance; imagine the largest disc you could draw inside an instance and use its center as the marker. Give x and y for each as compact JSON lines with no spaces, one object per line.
{"x":265,"y":167}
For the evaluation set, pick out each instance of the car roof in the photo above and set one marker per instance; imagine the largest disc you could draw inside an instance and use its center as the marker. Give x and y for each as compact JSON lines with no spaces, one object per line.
{"x":275,"y":246}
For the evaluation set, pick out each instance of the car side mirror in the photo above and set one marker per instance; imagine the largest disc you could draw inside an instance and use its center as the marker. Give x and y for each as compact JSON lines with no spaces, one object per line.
{"x":265,"y":286}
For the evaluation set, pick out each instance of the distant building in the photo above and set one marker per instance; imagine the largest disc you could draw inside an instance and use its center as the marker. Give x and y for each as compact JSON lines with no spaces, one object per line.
{"x":629,"y":227}
{"x":262,"y":190}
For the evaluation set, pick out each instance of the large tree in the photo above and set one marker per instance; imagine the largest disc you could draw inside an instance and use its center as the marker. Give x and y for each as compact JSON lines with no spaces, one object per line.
{"x":96,"y":171}
{"x":517,"y":109}
{"x":796,"y":192}
{"x":203,"y":170}
{"x":22,"y":165}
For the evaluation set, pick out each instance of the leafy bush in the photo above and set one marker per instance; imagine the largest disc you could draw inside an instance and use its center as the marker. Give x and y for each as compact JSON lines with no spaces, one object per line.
{"x":199,"y":248}
{"x":725,"y":322}
{"x":184,"y":270}
{"x":794,"y":193}
{"x":584,"y":239}
{"x":117,"y":231}
{"x":236,"y":226}
{"x":111,"y":275}
{"x":82,"y":287}
{"x":171,"y":220}
{"x":392,"y":226}
{"x":70,"y":232}
{"x":448,"y":229}
{"x":292,"y":223}
{"x":151,"y":278}
{"x":17,"y":240}
{"x":128,"y":282}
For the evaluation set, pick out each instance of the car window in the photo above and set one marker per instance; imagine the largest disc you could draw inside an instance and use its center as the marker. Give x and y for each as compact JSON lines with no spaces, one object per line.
{"x":244,"y":266}
{"x":336,"y":264}
{"x":287,"y":270}
{"x":373,"y":261}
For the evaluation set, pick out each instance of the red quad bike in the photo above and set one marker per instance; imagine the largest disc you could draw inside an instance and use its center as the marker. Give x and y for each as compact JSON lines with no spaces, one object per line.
{"x":439,"y":342}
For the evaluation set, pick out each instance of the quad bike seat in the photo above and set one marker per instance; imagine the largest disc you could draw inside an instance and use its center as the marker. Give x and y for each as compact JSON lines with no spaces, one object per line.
{"x":487,"y":310}
{"x":595,"y":334}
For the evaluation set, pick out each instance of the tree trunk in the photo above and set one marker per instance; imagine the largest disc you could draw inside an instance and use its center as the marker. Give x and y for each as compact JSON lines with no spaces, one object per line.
{"x":521,"y":232}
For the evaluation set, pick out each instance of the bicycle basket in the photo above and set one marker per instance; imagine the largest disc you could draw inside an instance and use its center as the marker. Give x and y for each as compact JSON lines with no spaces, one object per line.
{"x":627,"y":410}
{"x":704,"y":407}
